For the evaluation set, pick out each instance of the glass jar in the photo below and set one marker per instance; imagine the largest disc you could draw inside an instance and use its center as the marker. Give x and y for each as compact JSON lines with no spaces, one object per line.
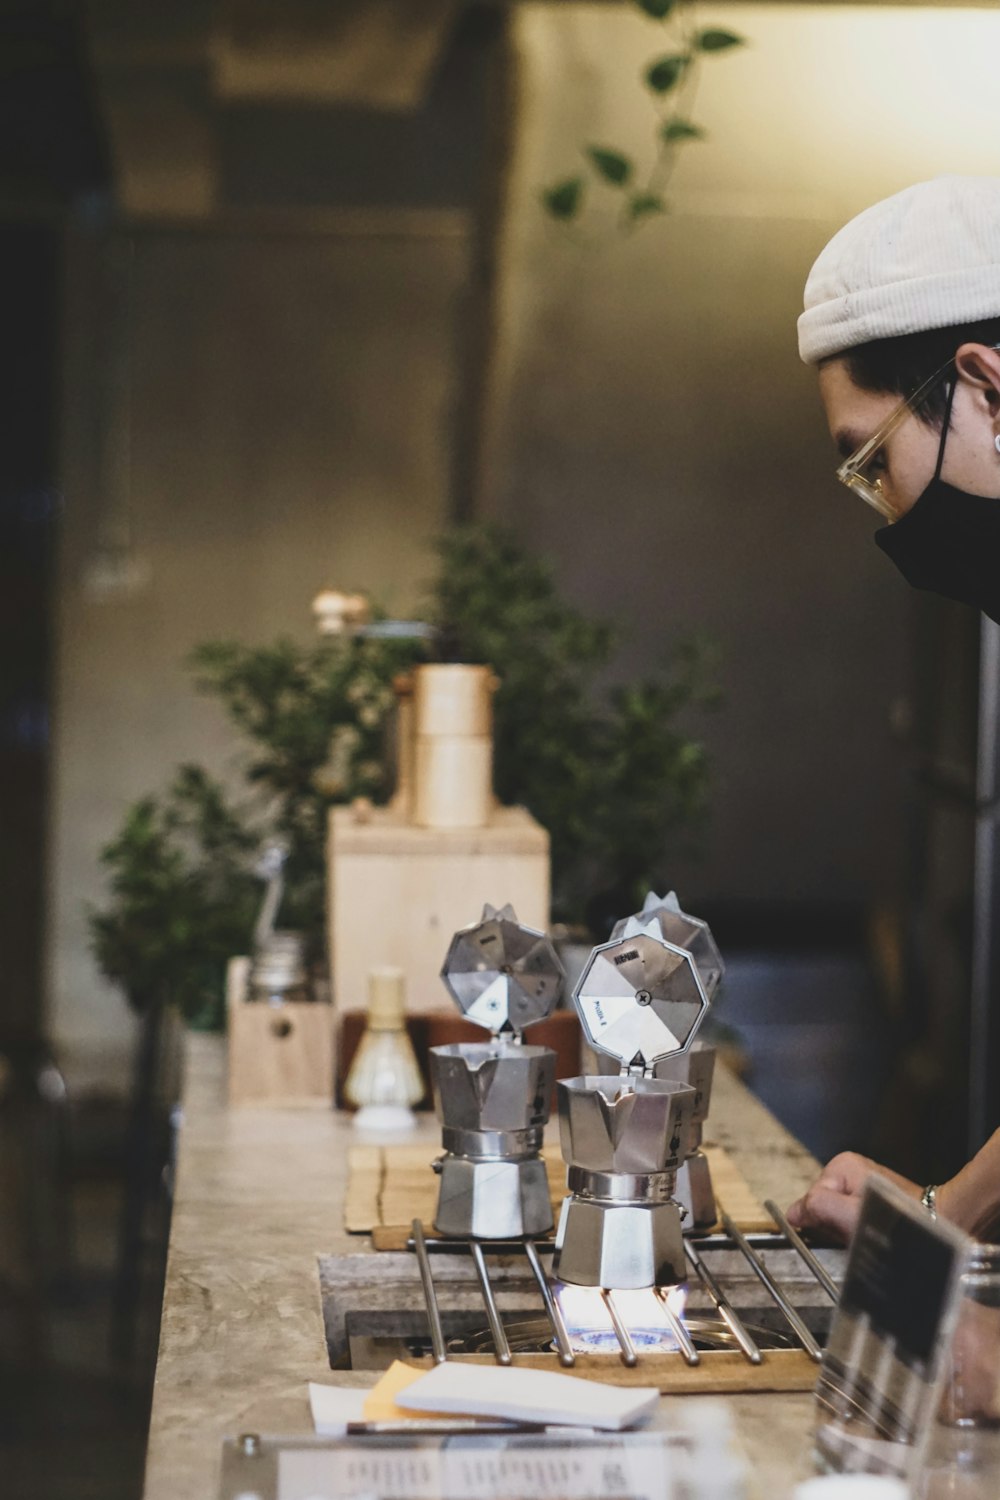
{"x":963,"y":1462}
{"x":279,"y":975}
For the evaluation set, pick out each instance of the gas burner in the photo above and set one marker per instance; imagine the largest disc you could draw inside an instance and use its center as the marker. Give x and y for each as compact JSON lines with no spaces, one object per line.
{"x":534,"y":1336}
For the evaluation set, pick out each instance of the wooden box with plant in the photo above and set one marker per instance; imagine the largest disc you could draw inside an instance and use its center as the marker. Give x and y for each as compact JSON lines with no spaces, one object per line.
{"x":609,"y":772}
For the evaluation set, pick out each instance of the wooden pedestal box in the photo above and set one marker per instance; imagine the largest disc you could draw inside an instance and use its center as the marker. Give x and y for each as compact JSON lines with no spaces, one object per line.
{"x":278,"y":1054}
{"x":397,"y":894}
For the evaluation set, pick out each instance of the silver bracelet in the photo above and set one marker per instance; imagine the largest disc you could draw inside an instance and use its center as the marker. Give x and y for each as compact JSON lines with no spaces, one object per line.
{"x":929,"y":1199}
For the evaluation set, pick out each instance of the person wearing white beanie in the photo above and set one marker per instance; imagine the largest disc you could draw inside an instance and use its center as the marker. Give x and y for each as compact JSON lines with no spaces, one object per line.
{"x":902,"y":319}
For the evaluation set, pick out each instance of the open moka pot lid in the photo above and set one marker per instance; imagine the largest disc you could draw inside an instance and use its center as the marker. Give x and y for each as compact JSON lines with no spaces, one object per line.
{"x":501,"y":975}
{"x":640,"y":998}
{"x":684,"y":931}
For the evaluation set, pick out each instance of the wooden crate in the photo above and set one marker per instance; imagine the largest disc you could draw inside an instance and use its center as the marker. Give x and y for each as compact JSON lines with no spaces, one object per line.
{"x":397,"y":893}
{"x":277,"y":1054}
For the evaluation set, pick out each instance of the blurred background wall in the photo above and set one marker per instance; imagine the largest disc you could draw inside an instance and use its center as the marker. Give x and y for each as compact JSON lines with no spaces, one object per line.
{"x":262,"y":359}
{"x":289,"y":402}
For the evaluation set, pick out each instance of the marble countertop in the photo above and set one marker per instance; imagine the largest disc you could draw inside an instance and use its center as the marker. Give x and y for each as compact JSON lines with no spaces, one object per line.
{"x":259,"y":1195}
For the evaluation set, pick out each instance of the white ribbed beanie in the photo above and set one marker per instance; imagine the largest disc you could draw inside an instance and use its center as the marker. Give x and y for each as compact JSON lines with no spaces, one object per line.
{"x":928,"y":257}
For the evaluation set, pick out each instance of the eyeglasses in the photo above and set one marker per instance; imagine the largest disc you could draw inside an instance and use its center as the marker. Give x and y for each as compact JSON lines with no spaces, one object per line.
{"x":863,"y":471}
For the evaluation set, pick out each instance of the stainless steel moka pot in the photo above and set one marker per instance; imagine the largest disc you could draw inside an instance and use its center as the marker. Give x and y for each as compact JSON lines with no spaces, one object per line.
{"x":696,"y":1066}
{"x":694,"y":1191}
{"x":493,"y":1098}
{"x":640,"y":1000}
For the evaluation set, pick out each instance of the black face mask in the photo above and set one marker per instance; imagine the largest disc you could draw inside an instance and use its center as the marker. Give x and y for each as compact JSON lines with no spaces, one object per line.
{"x":949,"y":543}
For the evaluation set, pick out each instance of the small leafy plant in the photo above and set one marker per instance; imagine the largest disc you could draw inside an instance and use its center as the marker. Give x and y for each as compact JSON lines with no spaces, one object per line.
{"x":182,"y":897}
{"x":183,"y":894}
{"x":314,"y":722}
{"x":671,"y":81}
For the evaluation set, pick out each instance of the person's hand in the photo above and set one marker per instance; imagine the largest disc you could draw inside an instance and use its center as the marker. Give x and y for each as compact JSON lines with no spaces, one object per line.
{"x":833,"y":1203}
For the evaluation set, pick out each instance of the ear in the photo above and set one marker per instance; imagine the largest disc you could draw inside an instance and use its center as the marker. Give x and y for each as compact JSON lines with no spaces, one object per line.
{"x":979,"y":366}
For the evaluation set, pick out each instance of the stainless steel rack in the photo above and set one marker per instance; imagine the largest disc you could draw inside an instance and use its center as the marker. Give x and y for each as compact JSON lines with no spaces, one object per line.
{"x":700,"y":1252}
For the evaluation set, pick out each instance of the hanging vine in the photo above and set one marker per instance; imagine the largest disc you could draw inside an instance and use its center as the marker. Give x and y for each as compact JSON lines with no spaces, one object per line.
{"x":670,"y":79}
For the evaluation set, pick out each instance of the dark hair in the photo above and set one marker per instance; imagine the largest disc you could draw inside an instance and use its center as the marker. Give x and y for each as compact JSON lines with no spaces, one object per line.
{"x":900,"y":365}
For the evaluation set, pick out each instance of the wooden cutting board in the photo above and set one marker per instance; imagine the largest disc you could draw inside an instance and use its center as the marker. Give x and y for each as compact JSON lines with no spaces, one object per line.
{"x":720,"y":1372}
{"x":390,"y":1186}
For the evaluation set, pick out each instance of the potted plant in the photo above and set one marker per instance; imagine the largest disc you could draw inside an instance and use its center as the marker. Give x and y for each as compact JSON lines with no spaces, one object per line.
{"x":609,"y":772}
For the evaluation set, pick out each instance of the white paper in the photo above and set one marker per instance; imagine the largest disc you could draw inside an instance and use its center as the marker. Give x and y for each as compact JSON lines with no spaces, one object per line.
{"x":527,"y":1396}
{"x":333,"y":1406}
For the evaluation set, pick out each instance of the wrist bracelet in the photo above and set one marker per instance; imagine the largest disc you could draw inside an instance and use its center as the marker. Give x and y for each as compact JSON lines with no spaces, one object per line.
{"x":929,"y":1199}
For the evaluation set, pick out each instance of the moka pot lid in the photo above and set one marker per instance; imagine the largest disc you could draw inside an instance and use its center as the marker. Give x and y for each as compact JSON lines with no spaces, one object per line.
{"x":502,"y":975}
{"x":685,"y":931}
{"x":640,"y":998}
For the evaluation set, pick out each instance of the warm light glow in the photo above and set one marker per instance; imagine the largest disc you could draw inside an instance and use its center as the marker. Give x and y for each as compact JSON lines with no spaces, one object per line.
{"x":589,"y":1324}
{"x":847,"y":120}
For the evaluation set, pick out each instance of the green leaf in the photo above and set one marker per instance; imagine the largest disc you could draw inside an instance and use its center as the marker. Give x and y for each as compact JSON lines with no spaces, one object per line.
{"x":565,"y":199}
{"x":717,"y":41}
{"x":611,"y":165}
{"x":642,"y":205}
{"x":658,"y":9}
{"x":681,"y":130}
{"x":666,"y":72}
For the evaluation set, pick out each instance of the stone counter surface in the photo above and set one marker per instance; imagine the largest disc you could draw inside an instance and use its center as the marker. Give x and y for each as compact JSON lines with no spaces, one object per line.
{"x":259,"y":1195}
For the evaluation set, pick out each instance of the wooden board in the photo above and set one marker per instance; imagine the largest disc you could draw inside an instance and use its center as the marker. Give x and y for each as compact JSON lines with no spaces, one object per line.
{"x":719,"y":1372}
{"x":734,"y":1194}
{"x":390,"y":1186}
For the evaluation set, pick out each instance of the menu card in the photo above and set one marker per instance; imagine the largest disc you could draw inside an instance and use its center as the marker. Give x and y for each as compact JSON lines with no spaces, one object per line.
{"x":883,"y":1364}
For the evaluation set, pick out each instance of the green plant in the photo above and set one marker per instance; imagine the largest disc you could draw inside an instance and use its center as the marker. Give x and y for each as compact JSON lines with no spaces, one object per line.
{"x":182,"y":897}
{"x":609,"y":773}
{"x":314,"y":722}
{"x":671,"y":82}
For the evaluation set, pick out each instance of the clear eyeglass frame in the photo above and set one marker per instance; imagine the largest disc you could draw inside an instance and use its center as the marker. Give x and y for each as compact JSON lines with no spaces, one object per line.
{"x":852,"y":471}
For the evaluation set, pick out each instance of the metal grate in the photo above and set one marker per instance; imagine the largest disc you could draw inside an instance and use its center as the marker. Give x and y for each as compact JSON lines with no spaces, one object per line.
{"x":700,"y":1251}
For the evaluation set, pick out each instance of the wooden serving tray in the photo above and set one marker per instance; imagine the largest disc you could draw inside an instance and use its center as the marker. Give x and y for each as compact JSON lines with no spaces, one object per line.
{"x":719,"y":1372}
{"x":390,"y":1186}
